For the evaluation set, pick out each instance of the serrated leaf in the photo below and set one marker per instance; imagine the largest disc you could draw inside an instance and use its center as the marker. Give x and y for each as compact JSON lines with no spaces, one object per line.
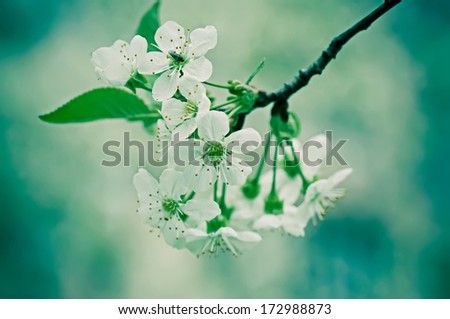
{"x":98,"y":104}
{"x":150,"y":23}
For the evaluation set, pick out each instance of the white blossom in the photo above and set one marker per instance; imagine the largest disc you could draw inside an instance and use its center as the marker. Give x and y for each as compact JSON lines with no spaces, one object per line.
{"x":181,"y":116}
{"x":251,"y":212}
{"x":322,"y":195}
{"x":225,"y":239}
{"x":312,"y":155}
{"x":181,"y":55}
{"x":117,"y":64}
{"x":217,"y":157}
{"x":161,"y":205}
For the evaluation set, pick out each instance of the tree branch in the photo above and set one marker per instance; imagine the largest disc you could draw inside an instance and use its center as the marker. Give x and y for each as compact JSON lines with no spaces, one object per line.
{"x":303,"y":77}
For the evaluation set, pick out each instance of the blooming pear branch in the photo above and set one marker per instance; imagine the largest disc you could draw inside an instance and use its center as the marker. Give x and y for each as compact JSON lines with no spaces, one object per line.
{"x":206,"y":199}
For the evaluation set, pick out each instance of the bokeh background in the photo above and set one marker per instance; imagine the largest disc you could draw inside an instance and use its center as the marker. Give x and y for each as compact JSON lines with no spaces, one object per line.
{"x":67,"y":224}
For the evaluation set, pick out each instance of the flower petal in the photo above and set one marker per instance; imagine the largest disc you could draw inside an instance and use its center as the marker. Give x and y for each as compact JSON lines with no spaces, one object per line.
{"x":313,"y":154}
{"x":166,"y":85}
{"x":203,"y":105}
{"x":289,"y":187}
{"x":172,"y":185}
{"x":188,"y":153}
{"x":123,"y":49}
{"x":339,"y":176}
{"x":294,"y":224}
{"x":173,"y":231}
{"x":146,"y":187}
{"x":117,"y":74}
{"x":170,"y":37}
{"x":200,"y":177}
{"x":191,"y":89}
{"x":213,"y":126}
{"x":173,"y":111}
{"x":200,"y":69}
{"x":196,"y":241}
{"x":138,"y":48}
{"x":234,"y":174}
{"x":153,"y":63}
{"x":200,"y":211}
{"x":104,"y":57}
{"x":243,"y":141}
{"x":241,"y":241}
{"x":202,"y":40}
{"x":185,"y":129}
{"x":267,"y":222}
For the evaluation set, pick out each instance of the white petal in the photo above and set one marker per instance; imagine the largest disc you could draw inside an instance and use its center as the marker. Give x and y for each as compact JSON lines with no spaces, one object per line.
{"x":166,"y":85}
{"x":200,"y":177}
{"x":213,"y":126}
{"x":202,"y":40}
{"x":170,"y":37}
{"x":138,"y":48}
{"x":339,"y":176}
{"x":164,"y":133}
{"x":200,"y":211}
{"x":249,"y":237}
{"x":289,"y":188}
{"x":243,"y":141}
{"x":185,"y":129}
{"x":191,"y":89}
{"x":123,"y":49}
{"x":173,"y":111}
{"x":117,"y":74}
{"x":196,"y":241}
{"x":234,"y":174}
{"x":153,"y":63}
{"x":314,"y":189}
{"x":200,"y":69}
{"x":203,"y":105}
{"x":172,"y":185}
{"x":314,"y":150}
{"x":173,"y":232}
{"x":188,"y":153}
{"x":267,"y":222}
{"x":104,"y":57}
{"x":243,"y":241}
{"x":146,"y":187}
{"x":294,"y":224}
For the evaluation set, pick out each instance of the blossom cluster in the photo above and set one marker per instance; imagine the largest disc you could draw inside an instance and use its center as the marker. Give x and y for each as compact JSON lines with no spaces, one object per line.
{"x":213,"y":202}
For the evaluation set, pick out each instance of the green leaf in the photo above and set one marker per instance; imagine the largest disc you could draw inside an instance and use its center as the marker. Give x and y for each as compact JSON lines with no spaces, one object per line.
{"x":102,"y":103}
{"x":149,"y":24}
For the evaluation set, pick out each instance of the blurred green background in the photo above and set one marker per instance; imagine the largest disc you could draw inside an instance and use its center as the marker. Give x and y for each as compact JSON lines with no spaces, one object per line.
{"x":67,"y":224}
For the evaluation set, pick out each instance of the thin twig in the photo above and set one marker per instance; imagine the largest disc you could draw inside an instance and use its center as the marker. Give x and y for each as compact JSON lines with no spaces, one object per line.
{"x":303,"y":77}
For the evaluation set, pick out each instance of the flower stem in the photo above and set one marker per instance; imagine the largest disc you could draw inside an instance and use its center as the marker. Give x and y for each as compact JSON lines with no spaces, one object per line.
{"x":222,"y":199}
{"x":188,"y":197}
{"x":273,"y":190}
{"x":220,"y":86}
{"x":305,"y":181}
{"x":216,"y":186}
{"x":232,"y":112}
{"x":263,"y":159}
{"x":218,"y":106}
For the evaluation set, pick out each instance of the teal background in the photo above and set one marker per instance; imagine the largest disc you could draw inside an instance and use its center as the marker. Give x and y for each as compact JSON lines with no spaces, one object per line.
{"x":67,"y":224}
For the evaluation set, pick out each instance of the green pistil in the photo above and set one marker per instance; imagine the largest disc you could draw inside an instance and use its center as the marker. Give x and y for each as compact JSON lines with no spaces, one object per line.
{"x":215,"y":152}
{"x":191,"y":108}
{"x":170,"y":206}
{"x":177,"y":60}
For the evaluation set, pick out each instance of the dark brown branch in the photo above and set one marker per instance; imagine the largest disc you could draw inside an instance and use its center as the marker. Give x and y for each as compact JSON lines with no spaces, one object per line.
{"x":303,"y":77}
